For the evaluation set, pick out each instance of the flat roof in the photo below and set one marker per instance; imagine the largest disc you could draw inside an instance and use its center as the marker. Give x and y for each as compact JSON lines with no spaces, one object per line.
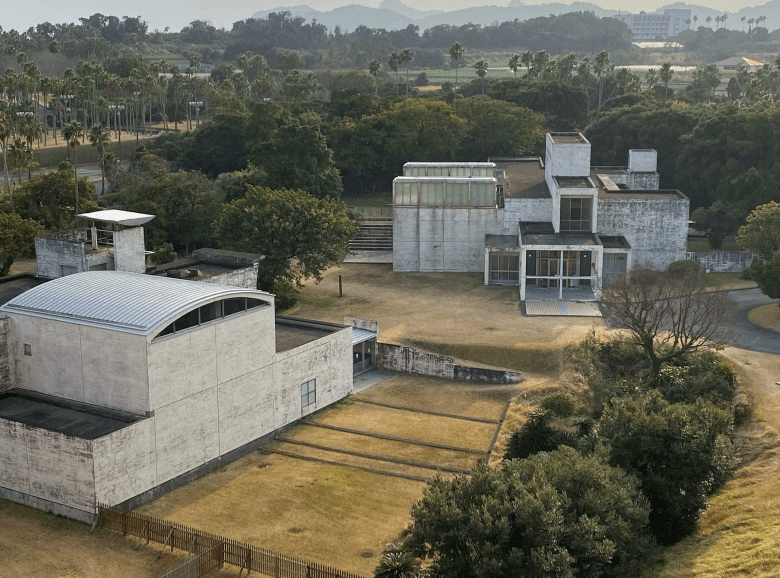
{"x":126,"y":218}
{"x":292,"y":332}
{"x":128,"y":302}
{"x":542,"y":233}
{"x":568,"y":138}
{"x":574,"y":183}
{"x":508,"y":241}
{"x":525,"y":177}
{"x":640,"y":195}
{"x":66,"y":417}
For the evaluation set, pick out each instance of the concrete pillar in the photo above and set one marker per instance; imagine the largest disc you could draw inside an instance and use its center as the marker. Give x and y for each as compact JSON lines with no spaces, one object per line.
{"x":523,"y":258}
{"x":560,"y":277}
{"x":487,"y":266}
{"x":598,"y":261}
{"x":94,"y":237}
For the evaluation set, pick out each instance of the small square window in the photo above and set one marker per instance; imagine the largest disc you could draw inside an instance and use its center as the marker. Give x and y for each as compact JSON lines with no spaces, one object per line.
{"x":308,"y":393}
{"x":27,"y":349}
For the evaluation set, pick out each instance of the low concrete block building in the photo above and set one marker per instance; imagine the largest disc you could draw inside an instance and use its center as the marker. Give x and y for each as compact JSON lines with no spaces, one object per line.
{"x":555,"y":228}
{"x":122,"y":386}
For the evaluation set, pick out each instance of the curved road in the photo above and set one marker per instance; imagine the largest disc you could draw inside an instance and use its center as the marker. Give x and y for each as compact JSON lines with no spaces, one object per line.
{"x":744,"y":334}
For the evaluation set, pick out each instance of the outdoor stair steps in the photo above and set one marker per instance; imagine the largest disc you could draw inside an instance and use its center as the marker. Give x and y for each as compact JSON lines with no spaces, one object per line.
{"x":373,"y":236}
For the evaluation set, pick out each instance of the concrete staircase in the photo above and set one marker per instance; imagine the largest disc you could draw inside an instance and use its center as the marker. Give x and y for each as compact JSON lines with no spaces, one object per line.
{"x":373,"y":236}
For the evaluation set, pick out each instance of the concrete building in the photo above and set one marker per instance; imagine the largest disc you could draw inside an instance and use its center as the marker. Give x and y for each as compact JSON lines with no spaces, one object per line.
{"x":736,"y":62}
{"x":117,"y":387}
{"x":550,"y":227}
{"x":646,"y":26}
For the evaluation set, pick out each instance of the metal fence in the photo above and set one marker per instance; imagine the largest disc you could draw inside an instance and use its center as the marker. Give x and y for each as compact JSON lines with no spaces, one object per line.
{"x":213,"y":551}
{"x":372,"y":213}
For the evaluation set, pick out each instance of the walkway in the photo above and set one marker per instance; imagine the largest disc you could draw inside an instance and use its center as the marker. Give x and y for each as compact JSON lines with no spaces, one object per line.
{"x":562,"y":308}
{"x":369,"y":257}
{"x":745,"y":334}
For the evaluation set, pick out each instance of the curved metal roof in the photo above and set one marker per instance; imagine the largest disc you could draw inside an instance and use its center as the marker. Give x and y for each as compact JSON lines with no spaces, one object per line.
{"x":119,"y":300}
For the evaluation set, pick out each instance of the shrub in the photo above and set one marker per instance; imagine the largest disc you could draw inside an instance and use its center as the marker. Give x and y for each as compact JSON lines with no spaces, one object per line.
{"x":558,"y":514}
{"x":684,"y":267}
{"x":163,"y":254}
{"x":534,"y":436}
{"x":561,"y":404}
{"x":681,"y":453}
{"x":704,"y":375}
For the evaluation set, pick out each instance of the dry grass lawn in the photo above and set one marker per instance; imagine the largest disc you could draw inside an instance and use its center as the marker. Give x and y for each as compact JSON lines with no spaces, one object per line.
{"x":766,"y":316}
{"x":36,"y":544}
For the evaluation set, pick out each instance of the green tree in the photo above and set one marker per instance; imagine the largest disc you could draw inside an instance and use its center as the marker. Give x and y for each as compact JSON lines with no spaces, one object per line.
{"x":761,"y":234}
{"x":514,"y":63}
{"x":72,"y":132}
{"x":681,"y":453}
{"x":298,"y":234}
{"x":498,"y":128}
{"x":392,"y":63}
{"x":481,"y":66}
{"x":665,"y":76}
{"x":17,"y":237}
{"x":397,"y":564}
{"x":6,"y":132}
{"x":718,"y":221}
{"x":456,"y":55}
{"x":299,"y":85}
{"x":21,"y":155}
{"x":48,"y":199}
{"x":558,"y":514}
{"x":601,"y":66}
{"x":373,"y":70}
{"x":185,"y":204}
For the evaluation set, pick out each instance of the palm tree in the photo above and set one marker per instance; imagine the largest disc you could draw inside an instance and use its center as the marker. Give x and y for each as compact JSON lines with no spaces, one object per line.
{"x":393,"y":62}
{"x":751,"y":21}
{"x":526,"y":60}
{"x":373,"y":70}
{"x":20,"y":155}
{"x":406,"y":58}
{"x":651,"y":78}
{"x":72,"y":132}
{"x":481,"y":67}
{"x":6,"y":131}
{"x":397,"y":564}
{"x":600,"y":67}
{"x":456,"y":53}
{"x":695,"y":20}
{"x":99,"y":136}
{"x":743,"y":19}
{"x":665,"y":75}
{"x":723,"y":19}
{"x":514,"y":63}
{"x":708,"y":19}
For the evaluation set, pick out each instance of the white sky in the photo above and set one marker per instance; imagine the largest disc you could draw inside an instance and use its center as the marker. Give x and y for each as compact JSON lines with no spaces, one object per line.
{"x":222,"y":13}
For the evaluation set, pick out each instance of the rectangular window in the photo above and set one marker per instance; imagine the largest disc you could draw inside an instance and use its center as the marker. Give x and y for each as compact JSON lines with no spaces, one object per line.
{"x":576,"y":214}
{"x":504,"y":268}
{"x":234,"y":305}
{"x":27,"y":349}
{"x":308,"y":393}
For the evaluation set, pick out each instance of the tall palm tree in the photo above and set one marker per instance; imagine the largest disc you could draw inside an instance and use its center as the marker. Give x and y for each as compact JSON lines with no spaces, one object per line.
{"x":526,"y":60}
{"x":743,"y":19}
{"x":20,"y":155}
{"x":514,"y":63}
{"x":72,"y":132}
{"x":392,"y":63}
{"x":600,"y":66}
{"x":723,"y":19}
{"x":456,"y":53}
{"x":6,"y":131}
{"x":708,"y":19}
{"x":406,"y":57}
{"x":651,"y":78}
{"x":665,"y":75}
{"x":373,"y":70}
{"x":481,"y":67}
{"x":695,"y":20}
{"x":99,"y":136}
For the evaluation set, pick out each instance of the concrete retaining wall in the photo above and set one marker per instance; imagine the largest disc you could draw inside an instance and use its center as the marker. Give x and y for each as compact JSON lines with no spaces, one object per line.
{"x":245,"y":277}
{"x":722,"y":261}
{"x":5,"y":354}
{"x":408,"y":360}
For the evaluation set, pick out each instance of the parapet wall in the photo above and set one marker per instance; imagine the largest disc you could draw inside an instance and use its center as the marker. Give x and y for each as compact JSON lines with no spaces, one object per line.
{"x":5,"y":353}
{"x":409,"y":360}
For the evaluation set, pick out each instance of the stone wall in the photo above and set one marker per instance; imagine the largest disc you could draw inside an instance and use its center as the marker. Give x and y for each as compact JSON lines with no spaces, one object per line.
{"x":722,"y":261}
{"x":5,"y":354}
{"x":409,"y":360}
{"x":52,"y":252}
{"x":245,"y":277}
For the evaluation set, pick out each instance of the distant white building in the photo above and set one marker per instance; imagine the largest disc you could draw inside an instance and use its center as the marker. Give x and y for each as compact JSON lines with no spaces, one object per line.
{"x":649,"y":26}
{"x":552,"y":228}
{"x":735,"y":62}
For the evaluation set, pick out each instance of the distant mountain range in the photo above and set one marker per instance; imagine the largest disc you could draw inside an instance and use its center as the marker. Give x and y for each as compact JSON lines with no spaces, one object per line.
{"x":395,"y":15}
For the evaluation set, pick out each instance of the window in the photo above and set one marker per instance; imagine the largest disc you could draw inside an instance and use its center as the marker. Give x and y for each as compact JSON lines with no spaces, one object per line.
{"x":575,"y":214}
{"x":27,"y":349}
{"x":211,"y":312}
{"x":234,"y":305}
{"x":504,"y":268}
{"x":308,"y":393}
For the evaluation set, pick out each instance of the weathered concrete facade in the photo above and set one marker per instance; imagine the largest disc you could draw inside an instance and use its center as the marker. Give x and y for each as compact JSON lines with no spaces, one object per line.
{"x":187,"y":401}
{"x":552,"y":224}
{"x":5,"y":354}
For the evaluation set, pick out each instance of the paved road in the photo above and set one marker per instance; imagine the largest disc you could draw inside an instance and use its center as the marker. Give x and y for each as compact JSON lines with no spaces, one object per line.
{"x":746,"y":335}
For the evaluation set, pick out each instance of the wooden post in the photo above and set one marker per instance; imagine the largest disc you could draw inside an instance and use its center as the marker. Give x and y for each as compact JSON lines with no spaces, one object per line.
{"x":340,"y":291}
{"x":124,"y":523}
{"x":170,"y":534}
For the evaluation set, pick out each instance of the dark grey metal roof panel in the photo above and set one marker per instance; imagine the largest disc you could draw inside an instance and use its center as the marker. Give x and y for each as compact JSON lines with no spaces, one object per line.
{"x":128,"y":302}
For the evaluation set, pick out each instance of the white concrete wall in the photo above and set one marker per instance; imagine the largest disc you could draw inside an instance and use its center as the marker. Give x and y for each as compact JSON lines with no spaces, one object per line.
{"x":129,"y":250}
{"x":47,"y":465}
{"x":6,"y":358}
{"x":642,"y":160}
{"x":198,"y":359}
{"x":516,"y":210}
{"x":656,"y":229}
{"x":244,"y":277}
{"x":125,"y":462}
{"x":51,"y":254}
{"x":81,"y":363}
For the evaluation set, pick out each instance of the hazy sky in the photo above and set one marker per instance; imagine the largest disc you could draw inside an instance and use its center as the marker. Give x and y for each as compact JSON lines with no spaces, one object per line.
{"x":177,"y":14}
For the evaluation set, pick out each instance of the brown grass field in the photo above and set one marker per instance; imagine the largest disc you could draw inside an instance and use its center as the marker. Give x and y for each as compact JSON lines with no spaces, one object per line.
{"x":766,"y":316}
